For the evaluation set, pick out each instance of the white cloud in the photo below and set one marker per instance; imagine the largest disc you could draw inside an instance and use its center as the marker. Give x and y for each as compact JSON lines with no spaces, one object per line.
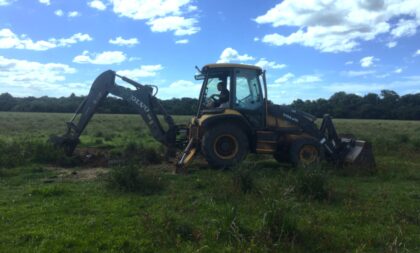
{"x":73,"y":14}
{"x":180,"y":89}
{"x":8,"y":39}
{"x":161,"y":15}
{"x":349,"y":62}
{"x":398,"y":70}
{"x":287,"y":92}
{"x":354,"y":73}
{"x":78,"y":37}
{"x":307,"y":79}
{"x":97,"y":4}
{"x":179,"y":25}
{"x":382,"y":75}
{"x":290,"y":78}
{"x":144,"y":9}
{"x":405,"y":28}
{"x":340,"y":26}
{"x":192,"y":8}
{"x":6,"y":2}
{"x":104,"y":58}
{"x":367,"y":61}
{"x":59,"y":13}
{"x":70,"y":14}
{"x":391,"y":44}
{"x":32,"y":75}
{"x":124,"y":42}
{"x":183,"y":41}
{"x":231,"y":55}
{"x":46,"y":2}
{"x":285,"y":78}
{"x":359,"y":88}
{"x":142,"y":71}
{"x":265,"y":64}
{"x":133,"y":58}
{"x":405,"y":84}
{"x":417,"y":52}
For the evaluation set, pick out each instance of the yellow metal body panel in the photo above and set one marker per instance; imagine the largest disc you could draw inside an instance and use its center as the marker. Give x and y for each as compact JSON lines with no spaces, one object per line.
{"x":266,"y":142}
{"x":204,"y":117}
{"x":277,"y":122}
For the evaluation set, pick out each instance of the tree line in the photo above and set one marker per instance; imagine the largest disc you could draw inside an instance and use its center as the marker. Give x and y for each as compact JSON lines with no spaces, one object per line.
{"x":386,"y":105}
{"x":175,"y":106}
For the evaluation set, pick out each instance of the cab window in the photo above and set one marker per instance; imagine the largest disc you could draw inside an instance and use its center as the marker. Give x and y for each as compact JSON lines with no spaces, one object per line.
{"x":248,"y":93}
{"x":216,"y":92}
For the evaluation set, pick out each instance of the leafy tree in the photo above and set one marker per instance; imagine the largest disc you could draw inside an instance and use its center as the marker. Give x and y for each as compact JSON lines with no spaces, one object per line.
{"x":386,"y":105}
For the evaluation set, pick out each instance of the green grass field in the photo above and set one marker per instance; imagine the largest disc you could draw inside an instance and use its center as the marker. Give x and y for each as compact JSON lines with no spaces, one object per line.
{"x":48,"y":204}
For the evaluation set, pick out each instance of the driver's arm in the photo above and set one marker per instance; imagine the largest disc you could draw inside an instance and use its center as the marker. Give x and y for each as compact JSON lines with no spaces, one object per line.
{"x":224,"y":96}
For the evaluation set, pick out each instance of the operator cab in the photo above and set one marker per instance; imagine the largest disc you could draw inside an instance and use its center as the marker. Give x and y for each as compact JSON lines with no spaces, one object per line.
{"x":232,"y":86}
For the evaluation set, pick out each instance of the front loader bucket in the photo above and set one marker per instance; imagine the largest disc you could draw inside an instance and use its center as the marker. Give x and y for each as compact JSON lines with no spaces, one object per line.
{"x":360,"y":154}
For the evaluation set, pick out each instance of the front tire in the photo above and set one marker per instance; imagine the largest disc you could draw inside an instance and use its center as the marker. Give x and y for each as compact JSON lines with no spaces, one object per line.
{"x":305,"y":153}
{"x":224,"y":146}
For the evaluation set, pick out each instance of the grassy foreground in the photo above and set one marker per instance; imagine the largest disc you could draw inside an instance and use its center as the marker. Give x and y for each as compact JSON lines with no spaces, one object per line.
{"x":258,"y":206}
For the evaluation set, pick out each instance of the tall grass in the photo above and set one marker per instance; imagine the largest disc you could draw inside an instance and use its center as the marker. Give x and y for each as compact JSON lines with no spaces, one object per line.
{"x":129,"y":179}
{"x":313,"y":183}
{"x":19,"y":152}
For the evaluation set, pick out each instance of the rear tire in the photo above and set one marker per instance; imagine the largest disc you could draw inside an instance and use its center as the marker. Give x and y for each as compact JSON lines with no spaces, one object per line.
{"x":305,"y":153}
{"x":224,"y":146}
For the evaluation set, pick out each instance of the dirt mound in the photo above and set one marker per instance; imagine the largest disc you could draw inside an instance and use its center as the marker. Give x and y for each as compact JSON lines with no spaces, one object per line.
{"x":83,"y":174}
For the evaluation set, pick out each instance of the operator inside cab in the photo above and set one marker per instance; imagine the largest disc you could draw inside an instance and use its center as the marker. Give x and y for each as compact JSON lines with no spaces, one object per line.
{"x":216,"y":92}
{"x":220,"y":98}
{"x":223,"y":100}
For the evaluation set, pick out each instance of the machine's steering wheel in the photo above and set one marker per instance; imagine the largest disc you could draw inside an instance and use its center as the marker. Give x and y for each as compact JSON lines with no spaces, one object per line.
{"x":214,"y":97}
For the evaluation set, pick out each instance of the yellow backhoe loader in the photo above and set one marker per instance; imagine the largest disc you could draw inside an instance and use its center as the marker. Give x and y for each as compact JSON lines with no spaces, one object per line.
{"x":234,"y":118}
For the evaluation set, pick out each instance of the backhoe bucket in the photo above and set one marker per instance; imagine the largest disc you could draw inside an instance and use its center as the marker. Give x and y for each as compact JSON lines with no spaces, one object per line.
{"x":360,"y":154}
{"x":66,"y":143}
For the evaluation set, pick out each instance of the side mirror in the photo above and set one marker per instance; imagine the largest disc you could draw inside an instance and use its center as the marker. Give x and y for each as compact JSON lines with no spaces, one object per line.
{"x":199,"y":77}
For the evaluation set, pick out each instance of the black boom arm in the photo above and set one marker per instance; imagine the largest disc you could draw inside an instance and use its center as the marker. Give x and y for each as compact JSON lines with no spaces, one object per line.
{"x":142,"y":99}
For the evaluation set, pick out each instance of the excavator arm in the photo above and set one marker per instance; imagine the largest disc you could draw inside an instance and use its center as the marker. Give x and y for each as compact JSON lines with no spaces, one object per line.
{"x":142,"y":99}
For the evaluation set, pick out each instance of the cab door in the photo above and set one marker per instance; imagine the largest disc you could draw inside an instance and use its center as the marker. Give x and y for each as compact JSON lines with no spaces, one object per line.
{"x":247,"y":97}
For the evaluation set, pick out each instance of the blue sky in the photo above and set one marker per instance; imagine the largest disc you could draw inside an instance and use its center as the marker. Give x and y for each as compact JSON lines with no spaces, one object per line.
{"x":310,"y":49}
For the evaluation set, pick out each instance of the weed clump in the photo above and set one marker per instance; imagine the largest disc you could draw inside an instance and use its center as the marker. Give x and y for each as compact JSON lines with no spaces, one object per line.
{"x":179,"y":229}
{"x":50,"y":191}
{"x":129,"y":179}
{"x":99,"y":134}
{"x":243,"y":180}
{"x":416,"y":144}
{"x":278,"y":225}
{"x":313,"y":184}
{"x":21,"y":152}
{"x":402,"y":138}
{"x":138,"y":152}
{"x":230,"y":229}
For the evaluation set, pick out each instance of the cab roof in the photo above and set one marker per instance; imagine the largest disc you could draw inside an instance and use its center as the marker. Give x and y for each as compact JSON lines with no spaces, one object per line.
{"x":231,"y":65}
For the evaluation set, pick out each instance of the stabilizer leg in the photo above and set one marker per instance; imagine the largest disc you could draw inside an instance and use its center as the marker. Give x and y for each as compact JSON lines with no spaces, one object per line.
{"x":186,"y":157}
